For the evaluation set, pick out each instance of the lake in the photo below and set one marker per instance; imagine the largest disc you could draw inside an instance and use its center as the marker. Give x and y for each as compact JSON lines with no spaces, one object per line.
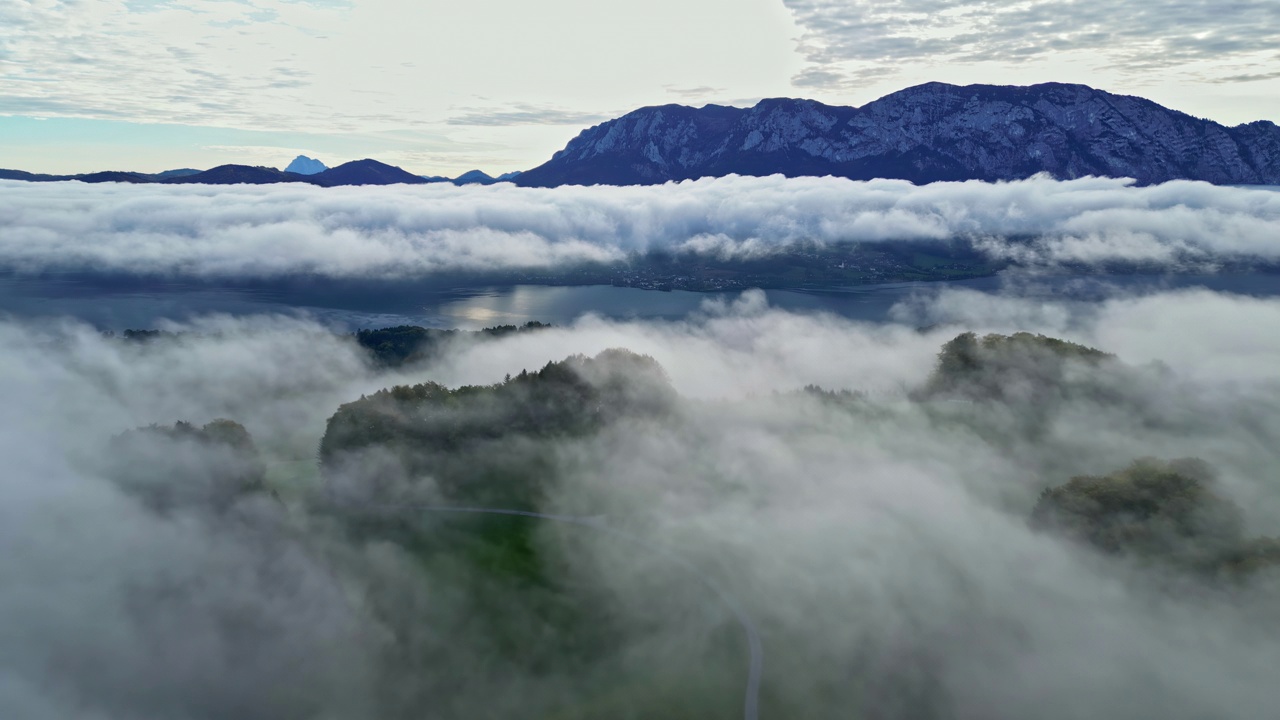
{"x":117,"y":303}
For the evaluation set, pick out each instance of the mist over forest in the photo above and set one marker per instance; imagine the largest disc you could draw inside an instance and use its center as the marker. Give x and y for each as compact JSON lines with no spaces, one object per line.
{"x":991,"y":507}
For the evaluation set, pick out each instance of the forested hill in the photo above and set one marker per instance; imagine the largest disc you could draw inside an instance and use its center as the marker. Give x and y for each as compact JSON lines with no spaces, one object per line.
{"x":490,"y":443}
{"x":386,"y":347}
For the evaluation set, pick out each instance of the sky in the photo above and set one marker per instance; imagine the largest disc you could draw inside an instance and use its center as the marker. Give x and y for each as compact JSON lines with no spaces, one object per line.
{"x":444,"y":87}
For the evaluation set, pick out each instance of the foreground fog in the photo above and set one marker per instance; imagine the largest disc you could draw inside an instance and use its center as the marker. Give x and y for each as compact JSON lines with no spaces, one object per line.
{"x":266,"y":231}
{"x":883,"y":551}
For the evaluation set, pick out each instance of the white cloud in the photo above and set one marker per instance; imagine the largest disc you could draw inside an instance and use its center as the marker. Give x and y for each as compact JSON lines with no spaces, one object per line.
{"x":1141,"y":36}
{"x":884,"y":552}
{"x":406,"y":231}
{"x":1149,"y":34}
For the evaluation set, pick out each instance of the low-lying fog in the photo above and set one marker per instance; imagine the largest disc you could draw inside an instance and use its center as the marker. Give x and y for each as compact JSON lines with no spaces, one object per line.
{"x":881,"y":546}
{"x":218,"y":231}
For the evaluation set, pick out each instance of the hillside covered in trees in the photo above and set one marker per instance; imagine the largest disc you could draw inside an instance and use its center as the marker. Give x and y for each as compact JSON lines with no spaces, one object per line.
{"x":1008,"y":367}
{"x":402,"y":344}
{"x":1158,"y":512}
{"x":184,"y":464}
{"x":490,"y":443}
{"x":387,"y":347}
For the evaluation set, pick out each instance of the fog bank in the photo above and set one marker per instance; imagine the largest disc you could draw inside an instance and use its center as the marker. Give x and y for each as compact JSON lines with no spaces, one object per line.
{"x":407,"y":231}
{"x":881,"y":543}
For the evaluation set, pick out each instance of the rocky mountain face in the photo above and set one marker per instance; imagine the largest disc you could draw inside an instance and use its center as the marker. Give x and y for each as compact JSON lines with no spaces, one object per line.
{"x":304,"y":165}
{"x":926,"y":133}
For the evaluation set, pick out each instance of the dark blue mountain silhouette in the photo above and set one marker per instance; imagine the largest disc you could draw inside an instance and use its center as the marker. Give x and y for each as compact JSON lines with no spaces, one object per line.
{"x":926,"y":133}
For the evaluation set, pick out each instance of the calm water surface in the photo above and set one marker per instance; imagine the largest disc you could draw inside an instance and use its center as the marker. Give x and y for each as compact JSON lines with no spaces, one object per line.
{"x":119,"y":303}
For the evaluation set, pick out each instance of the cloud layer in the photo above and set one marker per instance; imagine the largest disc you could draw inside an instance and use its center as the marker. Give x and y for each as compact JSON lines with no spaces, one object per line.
{"x":883,"y":551}
{"x":269,"y":231}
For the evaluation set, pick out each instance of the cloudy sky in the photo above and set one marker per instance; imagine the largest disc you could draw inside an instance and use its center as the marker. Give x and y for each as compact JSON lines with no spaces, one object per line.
{"x":443,"y":87}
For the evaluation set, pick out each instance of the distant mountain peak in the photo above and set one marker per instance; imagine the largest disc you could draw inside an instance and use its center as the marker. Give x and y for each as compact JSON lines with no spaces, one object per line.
{"x":474,"y":177}
{"x":365,"y":172}
{"x":179,"y":172}
{"x":235,"y":175}
{"x":303,"y":165}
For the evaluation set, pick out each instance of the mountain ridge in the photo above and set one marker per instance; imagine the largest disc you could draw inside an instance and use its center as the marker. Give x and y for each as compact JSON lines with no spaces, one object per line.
{"x":364,"y":172}
{"x":356,"y":172}
{"x":924,"y":133}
